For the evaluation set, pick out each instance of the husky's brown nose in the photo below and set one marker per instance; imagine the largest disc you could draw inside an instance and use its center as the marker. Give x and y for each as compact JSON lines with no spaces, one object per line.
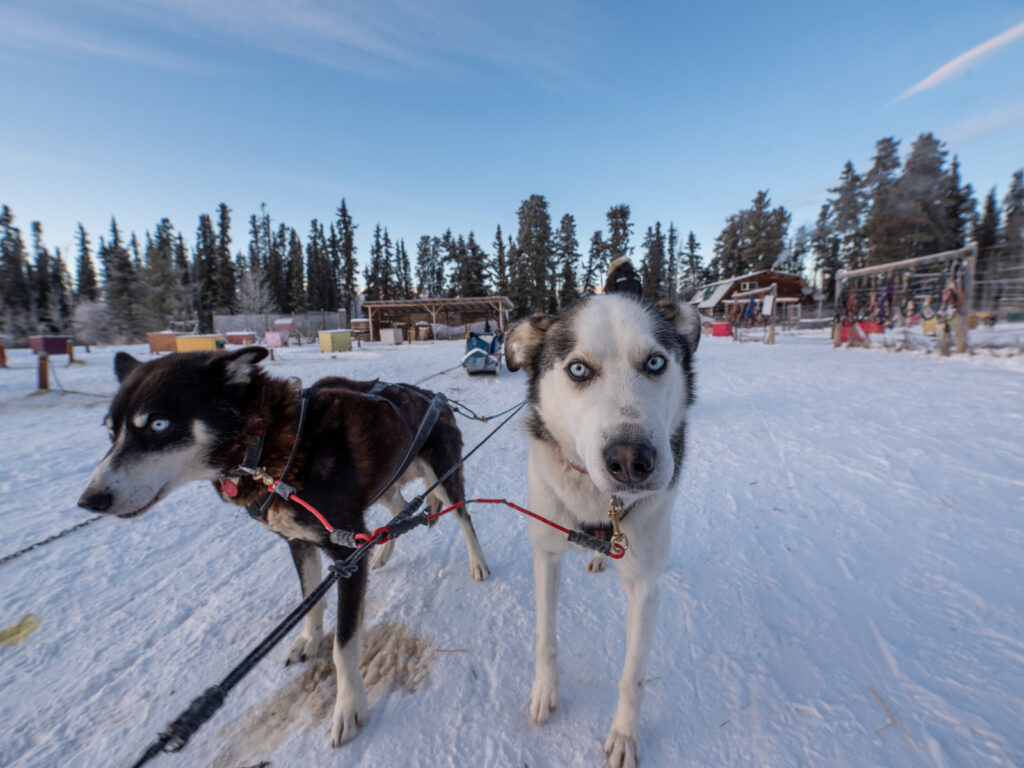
{"x":629,"y":463}
{"x":96,"y":502}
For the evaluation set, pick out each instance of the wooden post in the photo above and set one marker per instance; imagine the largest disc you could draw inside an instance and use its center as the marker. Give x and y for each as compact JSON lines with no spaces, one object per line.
{"x":965,"y":310}
{"x":271,"y":354}
{"x":44,"y":371}
{"x":775,"y":306}
{"x":71,"y":352}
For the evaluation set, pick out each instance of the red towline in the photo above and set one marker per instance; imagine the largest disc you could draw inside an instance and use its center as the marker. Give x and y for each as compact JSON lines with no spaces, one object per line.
{"x":617,"y":550}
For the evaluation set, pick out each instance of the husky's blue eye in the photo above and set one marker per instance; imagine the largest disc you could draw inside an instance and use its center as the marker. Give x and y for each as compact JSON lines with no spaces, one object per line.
{"x":655,"y":364}
{"x":579,"y":370}
{"x":159,"y":425}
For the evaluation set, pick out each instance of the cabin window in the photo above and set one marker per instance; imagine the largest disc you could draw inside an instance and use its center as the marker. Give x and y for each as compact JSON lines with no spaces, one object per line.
{"x":748,"y":285}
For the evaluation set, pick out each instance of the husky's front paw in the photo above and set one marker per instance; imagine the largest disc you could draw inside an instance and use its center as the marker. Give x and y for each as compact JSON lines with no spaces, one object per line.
{"x":305,"y":648}
{"x":348,"y":720}
{"x":543,"y":700}
{"x":596,"y":564}
{"x":620,"y":748}
{"x":478,"y":570}
{"x":382,"y":554}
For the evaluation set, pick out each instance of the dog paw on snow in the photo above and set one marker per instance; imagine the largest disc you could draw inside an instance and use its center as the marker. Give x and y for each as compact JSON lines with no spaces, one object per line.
{"x":543,"y":700}
{"x":348,"y":719}
{"x":621,"y":749}
{"x":305,"y":648}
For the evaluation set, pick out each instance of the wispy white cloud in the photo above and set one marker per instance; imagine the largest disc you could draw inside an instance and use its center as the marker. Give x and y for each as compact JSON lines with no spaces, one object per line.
{"x":974,"y":128}
{"x":28,"y":31}
{"x":964,"y":61}
{"x":386,"y":37}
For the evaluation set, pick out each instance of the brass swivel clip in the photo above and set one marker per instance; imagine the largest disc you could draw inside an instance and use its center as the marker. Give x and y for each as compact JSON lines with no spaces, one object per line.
{"x":615,"y":508}
{"x":260,"y":474}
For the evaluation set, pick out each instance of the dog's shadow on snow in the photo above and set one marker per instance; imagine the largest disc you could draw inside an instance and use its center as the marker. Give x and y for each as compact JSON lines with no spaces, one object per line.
{"x":393,"y":659}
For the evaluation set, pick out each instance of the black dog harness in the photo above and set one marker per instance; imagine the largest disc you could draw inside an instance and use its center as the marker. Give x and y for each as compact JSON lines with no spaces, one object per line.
{"x":251,"y":462}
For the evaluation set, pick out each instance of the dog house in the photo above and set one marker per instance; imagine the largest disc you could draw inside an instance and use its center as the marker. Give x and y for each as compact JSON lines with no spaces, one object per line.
{"x":391,"y":335}
{"x":275,"y":339}
{"x":335,"y":341}
{"x":202,"y":342}
{"x":162,"y":341}
{"x":51,"y":345}
{"x":244,"y":338}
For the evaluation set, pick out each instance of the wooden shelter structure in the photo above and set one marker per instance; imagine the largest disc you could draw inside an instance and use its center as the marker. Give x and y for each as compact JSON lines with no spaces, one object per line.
{"x":384,"y":312}
{"x":716,"y":299}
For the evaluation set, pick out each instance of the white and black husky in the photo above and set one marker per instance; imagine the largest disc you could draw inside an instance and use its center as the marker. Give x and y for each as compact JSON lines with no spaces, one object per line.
{"x":610,"y":381}
{"x":193,"y":416}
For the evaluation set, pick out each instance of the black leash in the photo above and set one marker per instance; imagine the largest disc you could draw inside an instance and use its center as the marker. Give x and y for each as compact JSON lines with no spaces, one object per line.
{"x":177,"y":734}
{"x":44,"y":542}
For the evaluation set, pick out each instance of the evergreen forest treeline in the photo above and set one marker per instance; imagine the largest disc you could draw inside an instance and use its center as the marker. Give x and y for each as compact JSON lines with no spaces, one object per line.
{"x":895,"y":210}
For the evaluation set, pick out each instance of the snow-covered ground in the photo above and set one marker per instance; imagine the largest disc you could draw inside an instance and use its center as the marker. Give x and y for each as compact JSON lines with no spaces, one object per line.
{"x":849,"y":525}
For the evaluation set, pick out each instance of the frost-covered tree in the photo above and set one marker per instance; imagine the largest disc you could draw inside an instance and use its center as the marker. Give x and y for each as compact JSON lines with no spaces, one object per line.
{"x":88,"y":290}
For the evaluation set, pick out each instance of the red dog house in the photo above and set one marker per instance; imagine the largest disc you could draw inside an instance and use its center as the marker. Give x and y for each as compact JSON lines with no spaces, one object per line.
{"x":721,"y":329}
{"x":242,"y":337}
{"x":51,"y":345}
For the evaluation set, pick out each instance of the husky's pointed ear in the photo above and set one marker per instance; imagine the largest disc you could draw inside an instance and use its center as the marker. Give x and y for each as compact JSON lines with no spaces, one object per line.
{"x":523,"y":340}
{"x":684,"y":319}
{"x":123,"y":365}
{"x":240,"y":365}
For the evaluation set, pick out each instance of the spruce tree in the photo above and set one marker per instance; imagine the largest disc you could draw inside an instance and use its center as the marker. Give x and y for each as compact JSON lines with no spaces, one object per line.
{"x":346,"y":234}
{"x":825,"y":244}
{"x":297,"y":303}
{"x":672,"y":283}
{"x":317,"y":268}
{"x":387,"y":268}
{"x":161,"y":274}
{"x":187,"y":277}
{"x":41,"y":282}
{"x":619,"y":231}
{"x":653,"y":267}
{"x":86,"y":277}
{"x":536,"y":254}
{"x":60,"y":292}
{"x":373,"y":274}
{"x":275,"y":271}
{"x":423,"y":266}
{"x":926,"y":225}
{"x":120,"y":287}
{"x":224,"y":296}
{"x":693,"y":274}
{"x":883,"y":222}
{"x":499,"y":265}
{"x":596,"y":259}
{"x":960,"y":207}
{"x":334,"y":267}
{"x":848,"y":209}
{"x":403,"y":269}
{"x":205,"y":260}
{"x":987,"y":231}
{"x":1013,"y":216}
{"x":566,"y":260}
{"x":15,"y":280}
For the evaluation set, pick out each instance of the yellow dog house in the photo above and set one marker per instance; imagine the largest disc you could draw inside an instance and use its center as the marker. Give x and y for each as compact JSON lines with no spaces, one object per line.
{"x":203,"y":342}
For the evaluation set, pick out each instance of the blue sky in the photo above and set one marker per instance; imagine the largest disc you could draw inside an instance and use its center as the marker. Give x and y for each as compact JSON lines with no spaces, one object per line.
{"x":428,"y":114}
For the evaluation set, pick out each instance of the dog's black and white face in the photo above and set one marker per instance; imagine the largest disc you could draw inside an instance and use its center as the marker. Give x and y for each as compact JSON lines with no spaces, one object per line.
{"x":610,"y":382}
{"x":166,"y":421}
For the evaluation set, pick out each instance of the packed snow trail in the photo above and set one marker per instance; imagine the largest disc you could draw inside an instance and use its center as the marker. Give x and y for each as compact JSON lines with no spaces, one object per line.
{"x":848,"y":524}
